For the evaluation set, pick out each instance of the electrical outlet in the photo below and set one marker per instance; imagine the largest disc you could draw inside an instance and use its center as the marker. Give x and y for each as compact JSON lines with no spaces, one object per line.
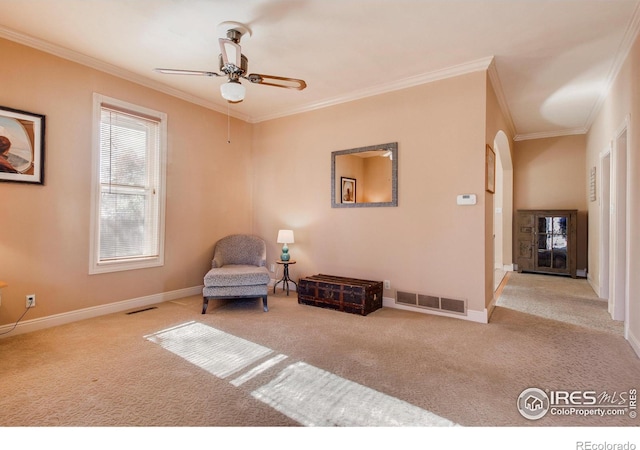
{"x":273,"y":268}
{"x":387,"y":284}
{"x":31,"y":300}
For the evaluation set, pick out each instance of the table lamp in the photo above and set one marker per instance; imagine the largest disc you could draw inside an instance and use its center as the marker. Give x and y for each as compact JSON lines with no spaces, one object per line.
{"x":285,"y":237}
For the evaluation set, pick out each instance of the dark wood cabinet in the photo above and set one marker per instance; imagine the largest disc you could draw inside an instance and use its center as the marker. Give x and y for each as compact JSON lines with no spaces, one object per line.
{"x":546,"y":241}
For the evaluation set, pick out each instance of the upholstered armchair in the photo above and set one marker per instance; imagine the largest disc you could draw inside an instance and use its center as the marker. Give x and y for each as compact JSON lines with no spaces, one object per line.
{"x":238,"y":270}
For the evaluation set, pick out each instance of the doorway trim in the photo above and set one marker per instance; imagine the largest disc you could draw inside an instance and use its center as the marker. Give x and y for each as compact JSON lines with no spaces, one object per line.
{"x":620,"y":226}
{"x":604,"y":192}
{"x":502,"y":244}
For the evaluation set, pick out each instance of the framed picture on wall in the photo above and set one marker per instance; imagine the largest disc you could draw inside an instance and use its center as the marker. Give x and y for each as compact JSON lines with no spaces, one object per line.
{"x":348,"y":190}
{"x":490,"y":170}
{"x":592,"y":184}
{"x":21,"y":146}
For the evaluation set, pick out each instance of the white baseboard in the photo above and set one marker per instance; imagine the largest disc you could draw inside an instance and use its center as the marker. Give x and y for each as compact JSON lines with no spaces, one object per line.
{"x":595,"y":286}
{"x":87,"y":313}
{"x":634,"y":342}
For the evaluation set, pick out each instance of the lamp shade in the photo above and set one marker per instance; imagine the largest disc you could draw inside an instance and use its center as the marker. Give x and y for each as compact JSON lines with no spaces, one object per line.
{"x":285,"y":237}
{"x":232,"y":91}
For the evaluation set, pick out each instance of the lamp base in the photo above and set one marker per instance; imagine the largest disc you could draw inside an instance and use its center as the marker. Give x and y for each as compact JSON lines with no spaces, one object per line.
{"x":285,"y":253}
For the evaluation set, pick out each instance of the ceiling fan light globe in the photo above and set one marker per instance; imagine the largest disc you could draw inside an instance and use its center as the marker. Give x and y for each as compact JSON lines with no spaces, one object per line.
{"x":232,"y":91}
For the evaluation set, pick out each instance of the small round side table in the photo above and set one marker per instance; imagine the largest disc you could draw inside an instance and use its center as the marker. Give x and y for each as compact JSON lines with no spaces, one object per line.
{"x":285,"y":277}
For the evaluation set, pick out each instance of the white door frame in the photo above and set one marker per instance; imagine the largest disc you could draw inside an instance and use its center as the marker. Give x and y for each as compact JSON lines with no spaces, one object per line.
{"x":605,"y":222}
{"x":620,"y":239}
{"x":503,"y":196}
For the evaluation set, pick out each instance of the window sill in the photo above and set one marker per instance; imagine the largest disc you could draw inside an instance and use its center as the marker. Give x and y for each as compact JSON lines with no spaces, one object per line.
{"x":119,"y":266}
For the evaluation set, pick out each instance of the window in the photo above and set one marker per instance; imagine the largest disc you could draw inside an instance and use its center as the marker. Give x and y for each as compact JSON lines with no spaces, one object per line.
{"x":129,"y":159}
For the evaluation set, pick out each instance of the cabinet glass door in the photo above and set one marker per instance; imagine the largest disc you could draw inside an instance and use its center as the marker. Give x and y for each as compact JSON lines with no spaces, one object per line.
{"x":552,"y":242}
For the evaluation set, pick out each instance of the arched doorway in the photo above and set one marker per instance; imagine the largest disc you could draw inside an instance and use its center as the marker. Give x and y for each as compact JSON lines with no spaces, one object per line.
{"x":503,"y":208}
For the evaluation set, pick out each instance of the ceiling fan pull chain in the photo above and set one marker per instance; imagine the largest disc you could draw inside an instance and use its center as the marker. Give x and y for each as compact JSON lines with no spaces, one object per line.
{"x":228,"y":126}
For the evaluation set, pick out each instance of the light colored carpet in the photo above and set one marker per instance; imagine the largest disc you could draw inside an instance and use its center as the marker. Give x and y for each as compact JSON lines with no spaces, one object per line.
{"x":569,"y":300}
{"x":310,"y":396}
{"x":113,"y":371}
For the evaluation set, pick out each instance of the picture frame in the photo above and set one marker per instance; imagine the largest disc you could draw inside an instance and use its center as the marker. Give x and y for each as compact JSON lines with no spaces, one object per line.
{"x":490,"y":170}
{"x":22,"y":137}
{"x":347,"y":190}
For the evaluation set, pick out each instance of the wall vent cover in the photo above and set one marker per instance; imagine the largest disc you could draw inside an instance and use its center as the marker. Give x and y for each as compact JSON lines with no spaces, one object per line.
{"x":453,"y":305}
{"x":141,"y":310}
{"x":406,"y":298}
{"x":428,"y":301}
{"x":443,"y":304}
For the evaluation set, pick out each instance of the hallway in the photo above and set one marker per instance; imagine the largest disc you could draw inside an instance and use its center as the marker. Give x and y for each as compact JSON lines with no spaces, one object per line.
{"x":564,"y":299}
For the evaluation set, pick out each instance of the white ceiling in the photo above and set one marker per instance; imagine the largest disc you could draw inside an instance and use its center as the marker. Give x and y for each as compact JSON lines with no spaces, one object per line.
{"x":551,"y":60}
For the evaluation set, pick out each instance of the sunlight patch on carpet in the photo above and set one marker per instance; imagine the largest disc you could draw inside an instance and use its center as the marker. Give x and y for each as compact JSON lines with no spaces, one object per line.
{"x":311,"y":396}
{"x":217,"y":352}
{"x":314,"y":397}
{"x":258,"y":370}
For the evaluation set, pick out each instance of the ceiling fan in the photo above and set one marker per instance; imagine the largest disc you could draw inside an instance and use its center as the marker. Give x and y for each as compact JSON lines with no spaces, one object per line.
{"x":234,"y":65}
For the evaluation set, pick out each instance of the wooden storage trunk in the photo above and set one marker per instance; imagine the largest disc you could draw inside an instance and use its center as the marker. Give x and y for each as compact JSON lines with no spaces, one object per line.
{"x":343,"y":294}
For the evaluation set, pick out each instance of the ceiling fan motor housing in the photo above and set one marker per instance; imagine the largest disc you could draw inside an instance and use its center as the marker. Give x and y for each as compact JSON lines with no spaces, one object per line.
{"x":230,"y":69}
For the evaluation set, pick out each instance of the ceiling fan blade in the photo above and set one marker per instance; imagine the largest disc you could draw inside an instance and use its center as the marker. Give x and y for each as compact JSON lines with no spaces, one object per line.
{"x":187,"y":72}
{"x":272,"y":80}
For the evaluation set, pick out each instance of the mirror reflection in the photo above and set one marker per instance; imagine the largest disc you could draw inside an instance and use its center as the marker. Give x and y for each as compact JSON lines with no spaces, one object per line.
{"x":365,"y":176}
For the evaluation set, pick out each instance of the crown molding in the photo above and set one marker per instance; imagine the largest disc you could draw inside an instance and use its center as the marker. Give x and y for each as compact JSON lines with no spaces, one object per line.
{"x":77,"y":57}
{"x":487,"y":64}
{"x":102,"y":66}
{"x":429,"y":77}
{"x":550,"y":134}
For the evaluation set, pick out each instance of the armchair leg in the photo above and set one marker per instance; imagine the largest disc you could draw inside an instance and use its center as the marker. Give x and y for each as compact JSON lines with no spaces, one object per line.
{"x":205,"y":302}
{"x":264,"y":303}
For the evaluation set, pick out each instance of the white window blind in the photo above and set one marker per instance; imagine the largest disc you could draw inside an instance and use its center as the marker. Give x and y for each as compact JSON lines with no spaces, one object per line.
{"x":128,"y":205}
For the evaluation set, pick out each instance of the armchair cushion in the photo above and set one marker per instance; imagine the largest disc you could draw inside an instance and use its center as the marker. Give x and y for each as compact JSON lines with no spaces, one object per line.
{"x":236,"y":275}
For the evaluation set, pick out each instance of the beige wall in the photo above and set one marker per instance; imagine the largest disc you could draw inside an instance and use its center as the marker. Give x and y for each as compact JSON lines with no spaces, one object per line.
{"x":427,"y":244}
{"x":548,"y":174}
{"x":44,"y":244}
{"x":621,"y":106}
{"x":277,"y":175}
